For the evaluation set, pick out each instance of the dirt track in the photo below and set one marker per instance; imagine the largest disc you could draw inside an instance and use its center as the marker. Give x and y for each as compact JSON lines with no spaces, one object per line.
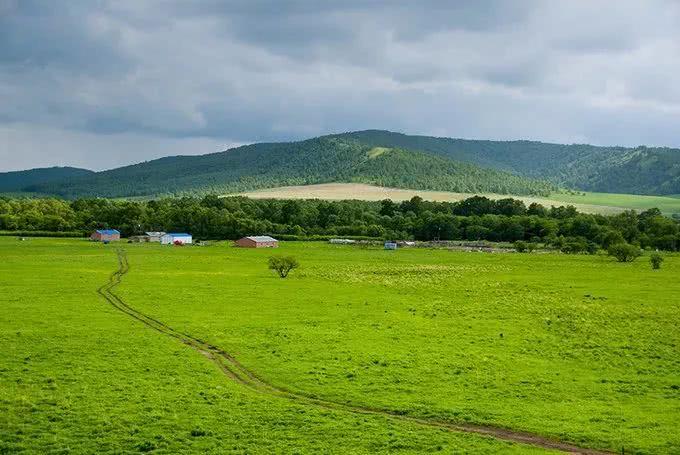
{"x":237,"y":372}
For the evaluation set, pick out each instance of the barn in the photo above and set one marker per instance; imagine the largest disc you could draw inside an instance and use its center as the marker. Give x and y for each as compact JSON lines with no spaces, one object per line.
{"x":257,"y":241}
{"x":154,"y":236}
{"x":174,"y":238}
{"x":105,"y":235}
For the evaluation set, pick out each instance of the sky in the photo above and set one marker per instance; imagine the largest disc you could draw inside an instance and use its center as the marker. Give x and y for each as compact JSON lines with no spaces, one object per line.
{"x":100,"y":84}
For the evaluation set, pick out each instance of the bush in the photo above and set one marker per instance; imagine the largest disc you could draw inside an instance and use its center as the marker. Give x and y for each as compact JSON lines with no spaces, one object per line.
{"x":283,"y":265}
{"x":524,"y":247}
{"x":656,"y":259}
{"x":624,"y":252}
{"x":574,"y":245}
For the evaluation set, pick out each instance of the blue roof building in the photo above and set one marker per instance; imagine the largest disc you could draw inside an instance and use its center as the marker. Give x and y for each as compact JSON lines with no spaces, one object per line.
{"x":105,"y":235}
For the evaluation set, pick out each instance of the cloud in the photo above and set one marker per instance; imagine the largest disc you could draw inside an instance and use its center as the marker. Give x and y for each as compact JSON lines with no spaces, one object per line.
{"x":202,"y":73}
{"x":28,"y":147}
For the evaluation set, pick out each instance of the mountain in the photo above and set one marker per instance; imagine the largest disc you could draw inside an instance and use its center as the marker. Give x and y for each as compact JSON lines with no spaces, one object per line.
{"x":381,"y":158}
{"x":319,"y":160}
{"x":640,"y":170}
{"x":18,"y":180}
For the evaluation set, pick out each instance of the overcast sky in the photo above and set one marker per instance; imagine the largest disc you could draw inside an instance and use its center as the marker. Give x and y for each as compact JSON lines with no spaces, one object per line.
{"x":98,"y":83}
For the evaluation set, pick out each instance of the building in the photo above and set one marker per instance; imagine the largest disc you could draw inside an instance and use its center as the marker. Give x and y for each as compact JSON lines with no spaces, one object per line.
{"x":176,"y":238}
{"x":147,"y":237}
{"x":105,"y":235}
{"x":257,"y":241}
{"x":342,"y":241}
{"x":154,"y":236}
{"x":390,"y":245}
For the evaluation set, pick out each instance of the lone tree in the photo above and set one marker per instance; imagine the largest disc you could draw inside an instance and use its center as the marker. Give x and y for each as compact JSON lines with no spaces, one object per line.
{"x":524,"y":247}
{"x":656,"y":259}
{"x":624,"y":252}
{"x":283,"y":265}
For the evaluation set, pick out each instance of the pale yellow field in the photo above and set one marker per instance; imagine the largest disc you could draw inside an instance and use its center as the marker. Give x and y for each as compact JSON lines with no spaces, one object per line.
{"x":340,"y":191}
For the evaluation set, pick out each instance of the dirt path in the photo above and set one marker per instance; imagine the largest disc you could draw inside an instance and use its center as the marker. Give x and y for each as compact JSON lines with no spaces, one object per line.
{"x":237,"y":372}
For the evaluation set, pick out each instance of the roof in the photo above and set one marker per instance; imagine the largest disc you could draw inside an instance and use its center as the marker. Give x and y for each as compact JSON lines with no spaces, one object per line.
{"x":261,"y":238}
{"x":155,"y":233}
{"x":178,"y":234}
{"x":107,"y":231}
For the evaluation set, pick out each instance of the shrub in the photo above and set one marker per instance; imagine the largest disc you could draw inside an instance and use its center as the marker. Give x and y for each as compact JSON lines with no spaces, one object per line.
{"x":283,"y":265}
{"x":624,"y":252}
{"x":146,"y":446}
{"x":520,"y":246}
{"x":198,"y":432}
{"x":524,"y":247}
{"x":656,"y":259}
{"x":574,"y":245}
{"x":592,"y":248}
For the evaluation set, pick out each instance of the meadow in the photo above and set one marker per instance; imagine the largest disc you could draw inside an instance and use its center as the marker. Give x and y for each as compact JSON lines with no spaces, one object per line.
{"x":605,"y":203}
{"x":573,"y":348}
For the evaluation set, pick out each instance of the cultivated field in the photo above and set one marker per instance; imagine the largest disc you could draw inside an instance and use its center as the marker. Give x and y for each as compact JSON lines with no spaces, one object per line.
{"x":589,"y":203}
{"x":202,"y":349}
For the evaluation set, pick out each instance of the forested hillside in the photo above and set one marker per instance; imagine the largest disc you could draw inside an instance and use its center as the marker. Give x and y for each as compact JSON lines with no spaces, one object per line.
{"x":381,"y":158}
{"x":18,"y":180}
{"x":641,"y":170}
{"x":318,"y":160}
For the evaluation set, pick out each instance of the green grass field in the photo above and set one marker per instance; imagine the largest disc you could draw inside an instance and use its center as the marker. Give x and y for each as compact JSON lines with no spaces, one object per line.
{"x":575,"y":348}
{"x":605,"y":203}
{"x":667,"y":204}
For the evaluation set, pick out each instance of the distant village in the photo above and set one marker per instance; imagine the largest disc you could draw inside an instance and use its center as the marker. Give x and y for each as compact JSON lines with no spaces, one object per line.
{"x":178,"y":239}
{"x":182,"y":238}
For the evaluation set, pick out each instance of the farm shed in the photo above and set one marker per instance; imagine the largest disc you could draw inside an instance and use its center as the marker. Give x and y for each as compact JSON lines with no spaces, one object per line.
{"x":390,"y":245}
{"x":342,"y":241}
{"x":154,"y":236}
{"x":172,"y":238}
{"x":105,"y":235}
{"x":257,"y":241}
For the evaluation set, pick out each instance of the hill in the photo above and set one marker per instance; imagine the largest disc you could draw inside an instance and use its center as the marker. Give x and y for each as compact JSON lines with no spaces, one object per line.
{"x":640,"y":170}
{"x":18,"y":180}
{"x":320,"y":160}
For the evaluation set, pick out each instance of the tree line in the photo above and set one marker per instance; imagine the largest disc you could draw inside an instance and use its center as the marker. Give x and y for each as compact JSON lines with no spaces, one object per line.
{"x":476,"y":218}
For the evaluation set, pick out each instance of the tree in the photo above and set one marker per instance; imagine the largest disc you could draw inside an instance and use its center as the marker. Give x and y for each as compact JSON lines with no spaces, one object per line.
{"x":624,"y":252}
{"x":656,"y":259}
{"x":283,"y":265}
{"x":523,"y":247}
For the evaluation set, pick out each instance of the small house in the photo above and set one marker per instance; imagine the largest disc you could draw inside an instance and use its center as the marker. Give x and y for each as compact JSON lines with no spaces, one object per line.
{"x":257,"y":241}
{"x":154,"y":236}
{"x":105,"y":235}
{"x":390,"y":245}
{"x":176,"y":238}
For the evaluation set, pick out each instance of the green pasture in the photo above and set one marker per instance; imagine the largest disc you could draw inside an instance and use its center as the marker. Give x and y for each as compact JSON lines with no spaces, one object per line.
{"x":576,"y":348}
{"x":667,"y":204}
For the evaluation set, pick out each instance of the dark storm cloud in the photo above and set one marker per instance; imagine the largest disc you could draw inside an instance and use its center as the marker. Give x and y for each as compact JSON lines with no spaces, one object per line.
{"x":146,"y":79}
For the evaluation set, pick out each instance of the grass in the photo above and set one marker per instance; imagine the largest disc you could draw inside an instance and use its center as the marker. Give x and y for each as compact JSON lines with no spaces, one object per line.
{"x":377,"y":151}
{"x":76,"y":376}
{"x":589,"y":203}
{"x":579,"y":348}
{"x":667,"y":204}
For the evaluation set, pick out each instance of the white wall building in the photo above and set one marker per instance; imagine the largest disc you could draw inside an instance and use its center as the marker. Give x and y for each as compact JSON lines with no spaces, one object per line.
{"x":175,"y":237}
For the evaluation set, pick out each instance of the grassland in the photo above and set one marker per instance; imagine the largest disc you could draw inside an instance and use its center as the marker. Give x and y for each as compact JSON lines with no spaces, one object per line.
{"x":667,"y":204}
{"x":586,"y":202}
{"x":577,"y":348}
